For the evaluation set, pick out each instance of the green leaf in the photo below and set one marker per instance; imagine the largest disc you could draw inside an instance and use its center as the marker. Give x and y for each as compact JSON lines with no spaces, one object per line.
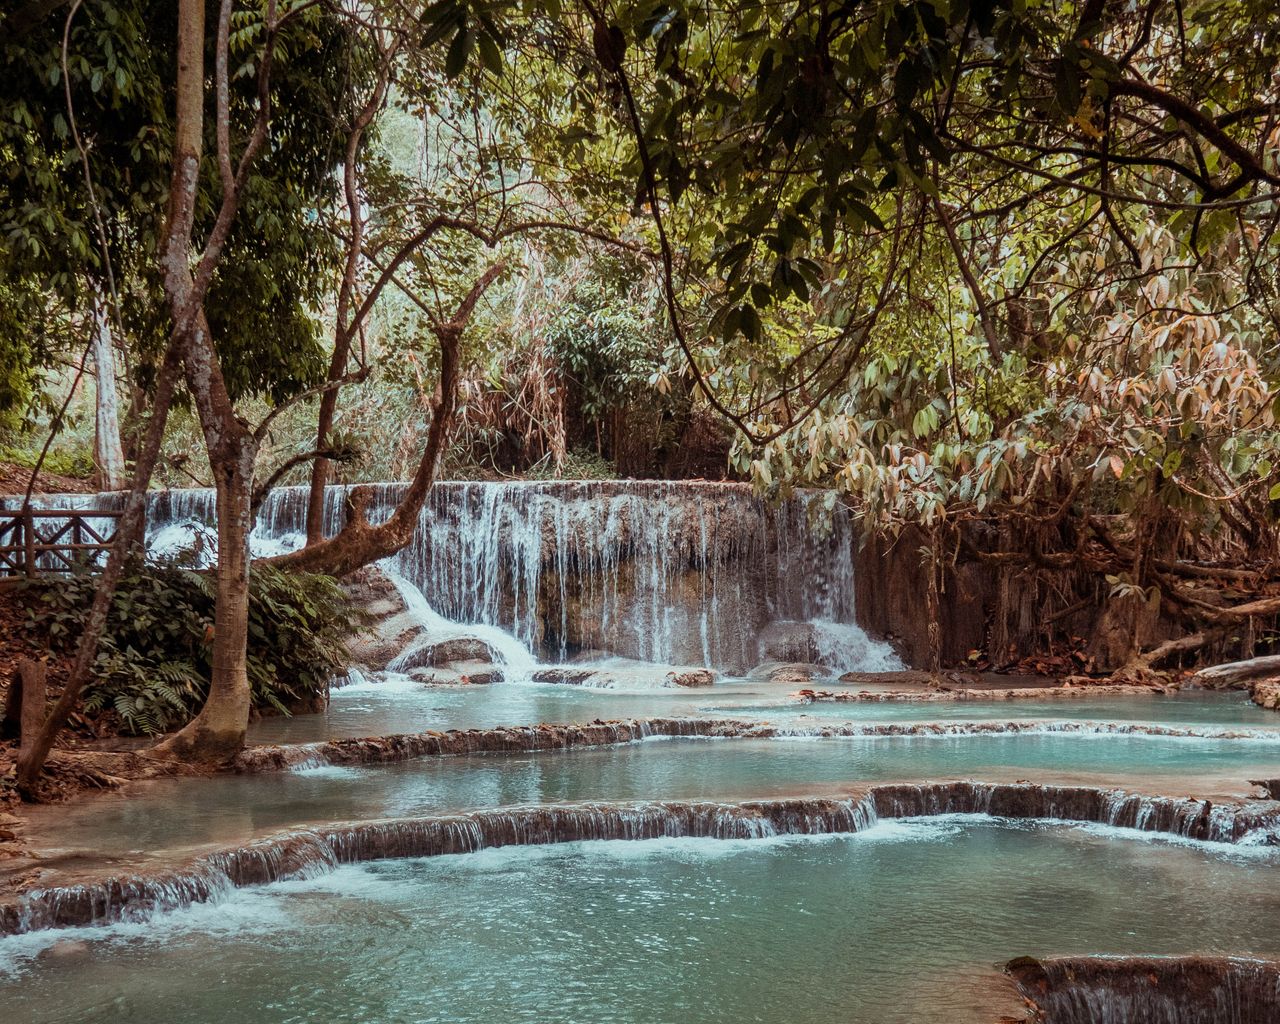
{"x":489,"y":52}
{"x":459,"y":51}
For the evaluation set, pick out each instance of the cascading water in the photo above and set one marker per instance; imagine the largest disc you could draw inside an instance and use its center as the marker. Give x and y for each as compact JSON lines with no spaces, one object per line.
{"x":513,"y":656}
{"x":1150,"y":990}
{"x":668,"y":572}
{"x":306,"y":852}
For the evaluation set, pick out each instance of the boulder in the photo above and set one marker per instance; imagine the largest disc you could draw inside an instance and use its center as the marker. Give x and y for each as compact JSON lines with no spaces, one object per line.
{"x":1266,"y":694}
{"x":565,"y":675}
{"x":691,"y":677}
{"x":380,"y":643}
{"x":388,"y":627}
{"x":429,"y":653}
{"x":788,"y":672}
{"x":458,"y":673}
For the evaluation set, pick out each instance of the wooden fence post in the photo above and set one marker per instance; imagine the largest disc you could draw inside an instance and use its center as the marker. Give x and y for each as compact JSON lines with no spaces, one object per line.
{"x":29,"y":541}
{"x":11,"y":720}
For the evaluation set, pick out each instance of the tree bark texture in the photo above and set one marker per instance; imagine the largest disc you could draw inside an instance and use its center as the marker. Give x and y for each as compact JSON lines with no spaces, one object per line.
{"x":108,"y":452}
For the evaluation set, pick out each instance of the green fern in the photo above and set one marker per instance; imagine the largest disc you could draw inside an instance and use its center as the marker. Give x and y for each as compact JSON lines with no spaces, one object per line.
{"x":154,"y":661}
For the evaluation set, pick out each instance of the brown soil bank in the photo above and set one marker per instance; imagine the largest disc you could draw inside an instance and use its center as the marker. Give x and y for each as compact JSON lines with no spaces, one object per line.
{"x":1150,"y":990}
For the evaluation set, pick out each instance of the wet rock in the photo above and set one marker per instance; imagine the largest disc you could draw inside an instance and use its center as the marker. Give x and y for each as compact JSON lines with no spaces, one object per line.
{"x":448,"y":651}
{"x":1269,"y":786}
{"x":565,"y":675}
{"x":476,"y":673}
{"x":375,"y":647}
{"x":373,"y":590}
{"x":1150,"y":990}
{"x":791,"y":672}
{"x":692,"y":677}
{"x":1266,"y":694}
{"x":625,"y":674}
{"x":458,"y":673}
{"x":389,"y":627}
{"x":435,"y":676}
{"x":789,"y":642}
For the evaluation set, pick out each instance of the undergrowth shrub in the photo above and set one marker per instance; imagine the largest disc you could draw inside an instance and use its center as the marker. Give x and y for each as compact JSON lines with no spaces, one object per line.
{"x":76,"y":461}
{"x":153,"y":665}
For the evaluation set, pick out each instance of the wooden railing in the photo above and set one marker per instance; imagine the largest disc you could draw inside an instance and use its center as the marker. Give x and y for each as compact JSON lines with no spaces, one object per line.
{"x":38,"y":540}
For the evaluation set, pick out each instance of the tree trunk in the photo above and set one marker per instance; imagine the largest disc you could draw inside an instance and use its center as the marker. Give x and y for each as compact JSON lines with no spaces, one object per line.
{"x":359,"y":543}
{"x":1233,"y":672}
{"x":345,"y":324}
{"x":108,"y":452}
{"x":35,"y":687}
{"x":218,"y":731}
{"x":129,"y":534}
{"x":320,"y":467}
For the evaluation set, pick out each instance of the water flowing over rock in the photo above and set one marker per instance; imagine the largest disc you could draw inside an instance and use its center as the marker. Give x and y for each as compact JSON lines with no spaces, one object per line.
{"x":1150,"y":990}
{"x":677,"y":573}
{"x":1201,"y":820}
{"x":308,"y":852}
{"x":529,"y":738}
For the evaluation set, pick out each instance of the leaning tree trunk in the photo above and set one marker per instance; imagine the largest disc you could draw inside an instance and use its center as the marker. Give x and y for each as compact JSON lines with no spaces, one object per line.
{"x":128,"y":538}
{"x":359,"y":543}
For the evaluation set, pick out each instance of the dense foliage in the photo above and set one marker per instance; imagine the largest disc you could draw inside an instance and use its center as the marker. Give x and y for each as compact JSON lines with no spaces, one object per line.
{"x":995,"y":269}
{"x":152,"y":668}
{"x":85,"y":142}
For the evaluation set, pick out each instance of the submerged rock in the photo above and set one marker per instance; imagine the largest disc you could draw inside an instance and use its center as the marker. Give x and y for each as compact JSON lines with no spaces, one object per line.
{"x":625,"y":674}
{"x":67,"y":951}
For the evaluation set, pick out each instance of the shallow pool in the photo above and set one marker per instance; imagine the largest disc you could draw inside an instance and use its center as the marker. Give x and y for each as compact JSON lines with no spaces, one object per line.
{"x":902,"y":924}
{"x":183,"y":812}
{"x":400,"y":705}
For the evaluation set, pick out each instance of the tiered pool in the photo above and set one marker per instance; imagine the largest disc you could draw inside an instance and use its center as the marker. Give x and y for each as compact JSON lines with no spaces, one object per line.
{"x":903,"y":923}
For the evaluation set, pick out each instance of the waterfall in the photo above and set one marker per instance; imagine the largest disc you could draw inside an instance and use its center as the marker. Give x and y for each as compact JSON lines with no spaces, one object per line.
{"x":678,"y":573}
